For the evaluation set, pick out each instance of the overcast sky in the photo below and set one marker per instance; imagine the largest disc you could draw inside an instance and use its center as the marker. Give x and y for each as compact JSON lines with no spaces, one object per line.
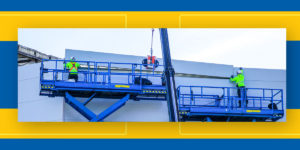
{"x":251,"y":48}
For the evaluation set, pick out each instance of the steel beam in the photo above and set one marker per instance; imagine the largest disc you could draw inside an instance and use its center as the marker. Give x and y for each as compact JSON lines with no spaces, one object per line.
{"x":79,"y":107}
{"x":111,"y":109}
{"x":87,"y":113}
{"x":89,"y":99}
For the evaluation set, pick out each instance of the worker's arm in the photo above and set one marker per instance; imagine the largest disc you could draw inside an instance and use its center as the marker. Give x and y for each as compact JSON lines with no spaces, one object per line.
{"x":233,"y":79}
{"x":67,"y":65}
{"x":77,"y":65}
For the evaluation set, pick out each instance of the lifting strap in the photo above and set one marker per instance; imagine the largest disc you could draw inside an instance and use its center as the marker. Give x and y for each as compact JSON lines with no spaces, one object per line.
{"x":151,"y":49}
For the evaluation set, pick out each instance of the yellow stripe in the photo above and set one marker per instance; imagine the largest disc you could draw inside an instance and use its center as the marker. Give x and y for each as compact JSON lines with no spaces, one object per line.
{"x":11,"y":128}
{"x":122,"y":86}
{"x":257,"y":111}
{"x":11,"y":21}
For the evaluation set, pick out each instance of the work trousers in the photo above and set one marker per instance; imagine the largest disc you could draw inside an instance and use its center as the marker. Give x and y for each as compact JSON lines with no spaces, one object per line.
{"x":241,"y":91}
{"x":73,"y":76}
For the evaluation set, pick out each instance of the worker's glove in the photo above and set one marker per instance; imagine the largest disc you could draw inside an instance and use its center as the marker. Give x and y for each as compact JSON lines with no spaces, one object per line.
{"x":231,"y":76}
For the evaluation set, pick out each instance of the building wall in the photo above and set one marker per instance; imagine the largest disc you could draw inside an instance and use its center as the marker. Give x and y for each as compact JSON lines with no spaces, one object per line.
{"x":31,"y":106}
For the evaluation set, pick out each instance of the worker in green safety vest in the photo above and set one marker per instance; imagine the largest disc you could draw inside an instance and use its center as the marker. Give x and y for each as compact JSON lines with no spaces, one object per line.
{"x":240,"y":84}
{"x":73,"y":66}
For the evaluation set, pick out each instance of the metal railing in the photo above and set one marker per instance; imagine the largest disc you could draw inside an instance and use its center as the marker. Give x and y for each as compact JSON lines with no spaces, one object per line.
{"x":105,"y":73}
{"x":227,"y":97}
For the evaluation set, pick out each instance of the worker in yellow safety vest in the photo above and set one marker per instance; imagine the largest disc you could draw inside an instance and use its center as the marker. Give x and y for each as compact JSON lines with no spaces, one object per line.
{"x":240,"y":84}
{"x":73,"y":69}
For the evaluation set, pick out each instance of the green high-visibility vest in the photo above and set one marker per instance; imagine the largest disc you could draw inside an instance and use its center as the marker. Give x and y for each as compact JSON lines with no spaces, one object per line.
{"x":239,"y":79}
{"x":73,"y":67}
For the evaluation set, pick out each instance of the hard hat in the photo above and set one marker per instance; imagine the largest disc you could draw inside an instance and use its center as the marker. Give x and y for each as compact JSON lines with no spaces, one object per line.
{"x":72,"y":58}
{"x":239,"y":72}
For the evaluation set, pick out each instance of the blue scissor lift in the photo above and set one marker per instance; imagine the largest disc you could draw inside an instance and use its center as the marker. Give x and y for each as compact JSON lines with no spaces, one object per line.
{"x":128,"y":80}
{"x":101,"y":79}
{"x":207,"y":103}
{"x":118,"y":80}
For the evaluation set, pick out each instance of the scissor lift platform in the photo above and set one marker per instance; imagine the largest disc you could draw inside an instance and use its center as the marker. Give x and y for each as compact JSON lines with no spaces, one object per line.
{"x":83,"y":86}
{"x":206,"y":103}
{"x":100,"y":78}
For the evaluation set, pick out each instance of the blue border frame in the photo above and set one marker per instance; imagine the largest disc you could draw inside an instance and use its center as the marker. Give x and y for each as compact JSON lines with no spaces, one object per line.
{"x":149,"y":144}
{"x":153,"y":5}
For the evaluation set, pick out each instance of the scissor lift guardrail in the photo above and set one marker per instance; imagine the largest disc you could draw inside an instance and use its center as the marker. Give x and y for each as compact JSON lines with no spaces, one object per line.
{"x":98,"y":78}
{"x":222,"y":103}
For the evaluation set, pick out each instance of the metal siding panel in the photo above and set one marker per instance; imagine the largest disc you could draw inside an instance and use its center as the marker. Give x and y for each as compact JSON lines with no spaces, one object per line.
{"x":264,"y":74}
{"x":31,"y":106}
{"x":180,"y":66}
{"x":44,"y":109}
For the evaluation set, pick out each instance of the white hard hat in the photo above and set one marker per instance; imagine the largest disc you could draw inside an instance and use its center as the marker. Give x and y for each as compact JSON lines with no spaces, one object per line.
{"x":72,"y":58}
{"x":239,"y":72}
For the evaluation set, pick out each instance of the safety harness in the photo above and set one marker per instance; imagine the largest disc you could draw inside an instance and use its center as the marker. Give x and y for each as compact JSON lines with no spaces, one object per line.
{"x":73,"y":66}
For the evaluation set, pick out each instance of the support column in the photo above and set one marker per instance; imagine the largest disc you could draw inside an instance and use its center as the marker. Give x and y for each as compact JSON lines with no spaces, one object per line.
{"x":169,"y":74}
